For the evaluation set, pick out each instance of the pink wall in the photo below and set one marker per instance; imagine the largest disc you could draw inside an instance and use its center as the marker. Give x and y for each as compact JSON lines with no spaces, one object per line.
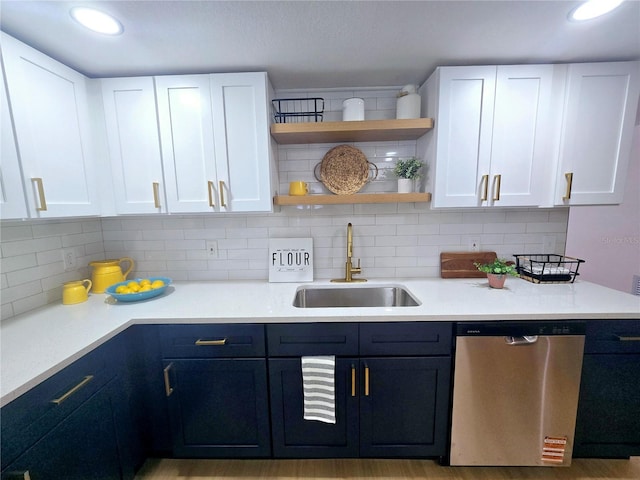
{"x":608,"y":236}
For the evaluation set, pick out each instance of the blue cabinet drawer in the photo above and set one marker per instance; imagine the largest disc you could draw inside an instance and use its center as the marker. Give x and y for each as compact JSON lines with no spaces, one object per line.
{"x":406,"y":338}
{"x":212,"y":341}
{"x":26,"y":419}
{"x":612,"y":336}
{"x":291,"y":340}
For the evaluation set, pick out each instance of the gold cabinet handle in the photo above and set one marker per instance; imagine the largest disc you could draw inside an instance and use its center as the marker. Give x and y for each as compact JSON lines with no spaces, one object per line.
{"x":210,"y":190}
{"x":353,"y":380}
{"x":366,"y":381}
{"x":567,"y":194}
{"x":16,"y":475}
{"x":167,"y":383}
{"x":496,"y":187}
{"x":628,"y":338}
{"x":40,"y":189}
{"x":66,"y":395}
{"x":222,"y":202}
{"x":485,"y":188}
{"x":211,"y":342}
{"x":156,"y":196}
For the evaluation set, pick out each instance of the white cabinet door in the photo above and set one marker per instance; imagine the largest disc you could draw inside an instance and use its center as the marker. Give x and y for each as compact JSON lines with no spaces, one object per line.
{"x":464,"y":116}
{"x":522,"y":146}
{"x":12,"y":201}
{"x":186,"y":131}
{"x":494,"y":140}
{"x":598,"y":122}
{"x":241,"y":126}
{"x":51,"y":118}
{"x":134,"y":145}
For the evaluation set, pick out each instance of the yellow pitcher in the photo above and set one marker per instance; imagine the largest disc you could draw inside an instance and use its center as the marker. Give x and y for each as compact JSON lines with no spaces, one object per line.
{"x":109,"y":272}
{"x":75,"y":292}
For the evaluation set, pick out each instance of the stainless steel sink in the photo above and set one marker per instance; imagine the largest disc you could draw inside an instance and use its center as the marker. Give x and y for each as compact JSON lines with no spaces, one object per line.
{"x":373,"y":296}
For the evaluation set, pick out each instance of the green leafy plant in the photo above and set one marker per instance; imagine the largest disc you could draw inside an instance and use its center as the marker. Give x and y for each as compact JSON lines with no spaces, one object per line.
{"x":408,"y":168}
{"x":499,"y":266}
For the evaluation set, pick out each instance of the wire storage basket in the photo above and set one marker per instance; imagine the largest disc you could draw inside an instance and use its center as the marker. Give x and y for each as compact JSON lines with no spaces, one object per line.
{"x":547,"y":268}
{"x":298,"y":110}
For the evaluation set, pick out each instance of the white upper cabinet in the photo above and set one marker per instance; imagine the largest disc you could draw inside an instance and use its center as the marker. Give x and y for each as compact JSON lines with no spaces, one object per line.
{"x":492,"y":139}
{"x":241,"y":126}
{"x":215,"y":142}
{"x":12,"y":200}
{"x":51,"y":119}
{"x":134,"y":145}
{"x":599,"y":117}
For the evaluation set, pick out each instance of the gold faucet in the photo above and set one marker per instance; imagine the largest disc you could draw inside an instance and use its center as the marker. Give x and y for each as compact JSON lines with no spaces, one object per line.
{"x":350,"y":270}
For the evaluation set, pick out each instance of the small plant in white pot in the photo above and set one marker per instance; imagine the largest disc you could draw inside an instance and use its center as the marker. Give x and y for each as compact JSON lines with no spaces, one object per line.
{"x":407,"y":171}
{"x":497,"y":271}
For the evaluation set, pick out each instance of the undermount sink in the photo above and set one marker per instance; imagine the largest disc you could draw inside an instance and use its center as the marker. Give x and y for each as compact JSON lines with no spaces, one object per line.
{"x":373,"y":296}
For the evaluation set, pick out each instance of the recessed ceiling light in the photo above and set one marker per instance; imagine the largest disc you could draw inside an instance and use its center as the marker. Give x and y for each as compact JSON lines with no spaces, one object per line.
{"x":592,"y":9}
{"x":96,"y":20}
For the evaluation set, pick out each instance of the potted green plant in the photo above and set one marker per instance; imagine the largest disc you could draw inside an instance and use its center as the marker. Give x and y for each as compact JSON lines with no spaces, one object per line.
{"x":497,"y":271}
{"x":407,"y":171}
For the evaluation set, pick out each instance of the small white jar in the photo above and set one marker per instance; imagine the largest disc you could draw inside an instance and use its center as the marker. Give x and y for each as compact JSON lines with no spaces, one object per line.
{"x":408,"y":105}
{"x":352,"y":109}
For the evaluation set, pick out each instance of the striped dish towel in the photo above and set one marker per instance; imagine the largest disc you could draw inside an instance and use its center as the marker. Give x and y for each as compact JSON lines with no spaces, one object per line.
{"x":318,"y":387}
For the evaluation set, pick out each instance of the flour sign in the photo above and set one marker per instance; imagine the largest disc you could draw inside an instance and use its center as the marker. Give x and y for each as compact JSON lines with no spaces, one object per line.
{"x":290,"y":259}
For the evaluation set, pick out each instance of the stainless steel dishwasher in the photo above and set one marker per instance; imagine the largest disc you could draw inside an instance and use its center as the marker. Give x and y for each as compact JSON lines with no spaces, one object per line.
{"x":515,"y":393}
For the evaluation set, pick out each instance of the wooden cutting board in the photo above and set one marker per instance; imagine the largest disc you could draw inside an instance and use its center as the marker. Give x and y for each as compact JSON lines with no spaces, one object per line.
{"x":460,"y":264}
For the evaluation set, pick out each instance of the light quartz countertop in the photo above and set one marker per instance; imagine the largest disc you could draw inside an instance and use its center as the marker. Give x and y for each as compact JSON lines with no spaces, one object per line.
{"x":38,"y":344}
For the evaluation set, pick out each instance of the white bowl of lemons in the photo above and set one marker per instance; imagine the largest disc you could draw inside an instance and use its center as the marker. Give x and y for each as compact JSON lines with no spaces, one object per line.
{"x":138,"y":289}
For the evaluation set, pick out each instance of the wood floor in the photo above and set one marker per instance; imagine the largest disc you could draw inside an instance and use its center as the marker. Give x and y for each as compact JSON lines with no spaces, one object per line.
{"x":359,"y":469}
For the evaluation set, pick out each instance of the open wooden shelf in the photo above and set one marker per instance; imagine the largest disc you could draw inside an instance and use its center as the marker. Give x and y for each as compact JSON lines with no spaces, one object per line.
{"x":357,"y":131}
{"x":349,"y":199}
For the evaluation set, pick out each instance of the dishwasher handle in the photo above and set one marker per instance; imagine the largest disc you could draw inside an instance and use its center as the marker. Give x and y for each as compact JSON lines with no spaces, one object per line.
{"x":523,"y":340}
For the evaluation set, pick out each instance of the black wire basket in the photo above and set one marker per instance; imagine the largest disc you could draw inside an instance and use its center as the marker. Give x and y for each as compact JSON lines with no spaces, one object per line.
{"x":547,"y":268}
{"x":298,"y":110}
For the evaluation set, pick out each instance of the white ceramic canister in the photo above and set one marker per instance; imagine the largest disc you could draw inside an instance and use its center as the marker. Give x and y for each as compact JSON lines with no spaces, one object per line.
{"x":408,"y":105}
{"x":352,"y":109}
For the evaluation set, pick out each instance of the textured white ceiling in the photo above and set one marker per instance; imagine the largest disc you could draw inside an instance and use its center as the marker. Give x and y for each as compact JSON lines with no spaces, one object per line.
{"x":308,"y":44}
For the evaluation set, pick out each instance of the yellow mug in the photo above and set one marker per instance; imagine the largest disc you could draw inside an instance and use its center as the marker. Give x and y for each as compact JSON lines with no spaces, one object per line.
{"x":76,"y":291}
{"x":298,"y":188}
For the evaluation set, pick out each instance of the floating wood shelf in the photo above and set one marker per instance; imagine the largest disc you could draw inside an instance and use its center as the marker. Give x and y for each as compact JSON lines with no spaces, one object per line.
{"x":349,"y":199}
{"x":357,"y":131}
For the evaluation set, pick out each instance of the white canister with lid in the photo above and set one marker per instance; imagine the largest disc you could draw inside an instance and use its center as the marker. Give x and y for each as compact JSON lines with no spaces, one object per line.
{"x":408,"y":105}
{"x":352,"y":109}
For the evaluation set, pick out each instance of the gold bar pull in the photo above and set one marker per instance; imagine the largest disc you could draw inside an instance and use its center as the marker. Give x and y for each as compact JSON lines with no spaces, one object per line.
{"x":211,"y":342}
{"x":167,"y":384}
{"x":16,"y":475}
{"x":40,"y":189}
{"x":628,"y":338}
{"x":366,"y":381}
{"x":485,"y":188}
{"x":156,"y":196}
{"x":567,"y":194}
{"x":496,"y":187}
{"x":353,"y":380}
{"x":210,"y":191}
{"x":222,"y":202}
{"x":66,"y":395}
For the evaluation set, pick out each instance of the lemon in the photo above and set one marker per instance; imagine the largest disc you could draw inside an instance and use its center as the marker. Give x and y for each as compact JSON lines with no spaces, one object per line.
{"x":133,"y":286}
{"x":121,"y":289}
{"x":144,"y":281}
{"x":145,"y":288}
{"x":157,"y":284}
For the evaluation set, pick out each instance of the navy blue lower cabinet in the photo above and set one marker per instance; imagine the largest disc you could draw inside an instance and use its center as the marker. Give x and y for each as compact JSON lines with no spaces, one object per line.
{"x":404,"y":406}
{"x":83,"y":446}
{"x":294,"y":437}
{"x":218,"y":408}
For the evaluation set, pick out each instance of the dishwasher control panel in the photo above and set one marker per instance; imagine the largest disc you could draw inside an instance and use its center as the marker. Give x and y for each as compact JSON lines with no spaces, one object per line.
{"x":524,"y":328}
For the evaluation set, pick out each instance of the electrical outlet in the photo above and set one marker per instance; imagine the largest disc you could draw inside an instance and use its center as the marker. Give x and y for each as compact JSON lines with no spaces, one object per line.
{"x":474,"y":244}
{"x":548,"y":244}
{"x":212,"y":249}
{"x":69,"y":259}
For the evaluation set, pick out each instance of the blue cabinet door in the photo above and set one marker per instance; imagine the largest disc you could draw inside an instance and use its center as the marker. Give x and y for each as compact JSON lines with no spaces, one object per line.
{"x":82,"y":447}
{"x":294,"y":437}
{"x":218,"y":407}
{"x":404,"y":406}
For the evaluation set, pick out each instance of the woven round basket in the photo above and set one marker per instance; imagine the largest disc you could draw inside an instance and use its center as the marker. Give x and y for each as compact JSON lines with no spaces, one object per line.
{"x":344,"y":170}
